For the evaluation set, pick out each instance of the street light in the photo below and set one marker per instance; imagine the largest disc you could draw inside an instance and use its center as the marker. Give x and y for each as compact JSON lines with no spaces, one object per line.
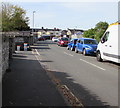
{"x":33,"y":21}
{"x":33,"y":27}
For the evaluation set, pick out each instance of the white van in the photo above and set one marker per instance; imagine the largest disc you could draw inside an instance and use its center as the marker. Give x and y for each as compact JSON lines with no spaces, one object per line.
{"x":108,"y":48}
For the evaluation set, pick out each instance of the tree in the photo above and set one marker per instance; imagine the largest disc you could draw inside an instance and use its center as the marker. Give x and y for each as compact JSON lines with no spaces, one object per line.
{"x":13,"y":18}
{"x":100,"y":28}
{"x":96,"y":32}
{"x":89,"y":33}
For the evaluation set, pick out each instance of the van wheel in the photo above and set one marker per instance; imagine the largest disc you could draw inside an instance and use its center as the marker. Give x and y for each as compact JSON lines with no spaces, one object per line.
{"x":76,"y":50}
{"x":98,"y":55}
{"x":84,"y":52}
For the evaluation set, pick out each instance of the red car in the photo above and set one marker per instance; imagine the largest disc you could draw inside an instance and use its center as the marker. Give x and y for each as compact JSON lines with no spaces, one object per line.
{"x":41,"y":38}
{"x":63,"y":41}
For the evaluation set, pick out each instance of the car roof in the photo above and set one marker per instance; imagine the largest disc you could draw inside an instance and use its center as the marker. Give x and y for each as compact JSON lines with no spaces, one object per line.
{"x":74,"y":39}
{"x":86,"y":39}
{"x":54,"y":37}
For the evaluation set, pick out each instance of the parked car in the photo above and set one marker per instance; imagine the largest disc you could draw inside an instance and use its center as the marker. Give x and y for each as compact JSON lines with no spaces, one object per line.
{"x":71,"y":44}
{"x":41,"y":38}
{"x":55,"y":39}
{"x":108,"y":48}
{"x":63,"y":41}
{"x":86,"y":46}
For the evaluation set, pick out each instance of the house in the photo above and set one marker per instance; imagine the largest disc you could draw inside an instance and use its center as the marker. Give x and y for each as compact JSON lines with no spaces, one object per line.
{"x":49,"y":32}
{"x":75,"y":33}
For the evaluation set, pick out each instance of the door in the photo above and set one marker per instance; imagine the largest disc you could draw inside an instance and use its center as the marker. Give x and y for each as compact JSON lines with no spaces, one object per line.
{"x":81,"y":45}
{"x":104,"y":47}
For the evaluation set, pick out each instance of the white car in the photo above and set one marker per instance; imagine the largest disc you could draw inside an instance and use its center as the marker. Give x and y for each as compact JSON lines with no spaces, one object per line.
{"x":54,"y":39}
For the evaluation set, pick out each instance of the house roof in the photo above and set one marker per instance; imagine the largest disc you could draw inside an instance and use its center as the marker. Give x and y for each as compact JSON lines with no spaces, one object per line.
{"x":76,"y":30}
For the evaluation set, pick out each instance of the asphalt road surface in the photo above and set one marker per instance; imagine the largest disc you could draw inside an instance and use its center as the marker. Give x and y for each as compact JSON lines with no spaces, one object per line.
{"x":94,"y":83}
{"x":28,"y":85}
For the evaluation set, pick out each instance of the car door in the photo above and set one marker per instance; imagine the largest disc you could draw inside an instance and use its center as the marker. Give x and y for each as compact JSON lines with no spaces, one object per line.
{"x":59,"y":41}
{"x":81,"y":45}
{"x":105,"y":48}
{"x":78,"y":44}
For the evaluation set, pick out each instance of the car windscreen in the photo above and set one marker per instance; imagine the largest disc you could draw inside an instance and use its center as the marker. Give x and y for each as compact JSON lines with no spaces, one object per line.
{"x":87,"y":41}
{"x":54,"y":37}
{"x":64,"y":39}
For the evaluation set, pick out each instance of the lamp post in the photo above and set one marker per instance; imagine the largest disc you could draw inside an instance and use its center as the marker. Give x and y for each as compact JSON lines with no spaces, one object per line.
{"x":33,"y":27}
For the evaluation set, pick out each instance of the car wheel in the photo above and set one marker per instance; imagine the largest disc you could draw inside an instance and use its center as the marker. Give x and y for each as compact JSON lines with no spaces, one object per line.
{"x":72,"y":49}
{"x":84,"y":52}
{"x":76,"y":50}
{"x":98,"y":55}
{"x":67,"y":48}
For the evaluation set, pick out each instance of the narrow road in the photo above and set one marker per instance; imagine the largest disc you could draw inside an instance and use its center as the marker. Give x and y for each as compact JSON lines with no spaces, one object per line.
{"x":95,"y":83}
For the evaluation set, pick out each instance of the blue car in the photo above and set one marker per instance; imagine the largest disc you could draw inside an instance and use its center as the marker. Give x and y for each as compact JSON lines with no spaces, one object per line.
{"x":71,"y":44}
{"x":87,"y":46}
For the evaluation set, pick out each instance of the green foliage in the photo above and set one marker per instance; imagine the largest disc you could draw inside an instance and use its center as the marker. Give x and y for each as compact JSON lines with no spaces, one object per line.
{"x":96,"y":32}
{"x":89,"y":33}
{"x":100,"y":29}
{"x":13,"y":18}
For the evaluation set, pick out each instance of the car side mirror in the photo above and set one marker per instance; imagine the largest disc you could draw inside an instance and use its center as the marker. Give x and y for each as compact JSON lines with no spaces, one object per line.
{"x":102,"y":40}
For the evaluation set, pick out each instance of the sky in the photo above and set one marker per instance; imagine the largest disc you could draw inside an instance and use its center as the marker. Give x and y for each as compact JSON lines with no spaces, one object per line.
{"x":72,"y":14}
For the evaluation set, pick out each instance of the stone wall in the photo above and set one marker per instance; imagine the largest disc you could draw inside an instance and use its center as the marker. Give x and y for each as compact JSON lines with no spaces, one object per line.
{"x":7,"y":47}
{"x":0,"y":57}
{"x":5,"y":53}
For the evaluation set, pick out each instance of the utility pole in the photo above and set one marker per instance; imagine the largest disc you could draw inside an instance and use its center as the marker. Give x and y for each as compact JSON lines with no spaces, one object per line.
{"x":33,"y":28}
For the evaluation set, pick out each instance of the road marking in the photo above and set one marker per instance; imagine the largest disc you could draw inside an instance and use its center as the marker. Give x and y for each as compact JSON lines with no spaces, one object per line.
{"x":68,"y":54}
{"x":36,"y":56}
{"x":37,"y":52}
{"x":92,"y":64}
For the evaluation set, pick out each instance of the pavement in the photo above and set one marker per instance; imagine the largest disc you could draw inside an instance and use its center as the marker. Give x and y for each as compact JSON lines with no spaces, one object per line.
{"x":27,"y":84}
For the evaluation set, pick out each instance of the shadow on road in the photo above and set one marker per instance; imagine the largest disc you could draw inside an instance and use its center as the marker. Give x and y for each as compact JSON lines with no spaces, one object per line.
{"x":22,"y":56}
{"x":89,"y":99}
{"x":46,"y":61}
{"x":45,"y":42}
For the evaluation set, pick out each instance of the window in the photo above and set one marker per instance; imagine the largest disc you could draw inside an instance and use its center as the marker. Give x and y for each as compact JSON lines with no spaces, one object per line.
{"x":87,"y":41}
{"x":81,"y":42}
{"x":105,"y":37}
{"x":75,"y":41}
{"x":64,"y":39}
{"x":78,"y":41}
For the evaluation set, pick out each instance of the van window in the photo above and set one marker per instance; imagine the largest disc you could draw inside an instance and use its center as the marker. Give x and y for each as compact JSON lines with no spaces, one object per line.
{"x":105,"y":37}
